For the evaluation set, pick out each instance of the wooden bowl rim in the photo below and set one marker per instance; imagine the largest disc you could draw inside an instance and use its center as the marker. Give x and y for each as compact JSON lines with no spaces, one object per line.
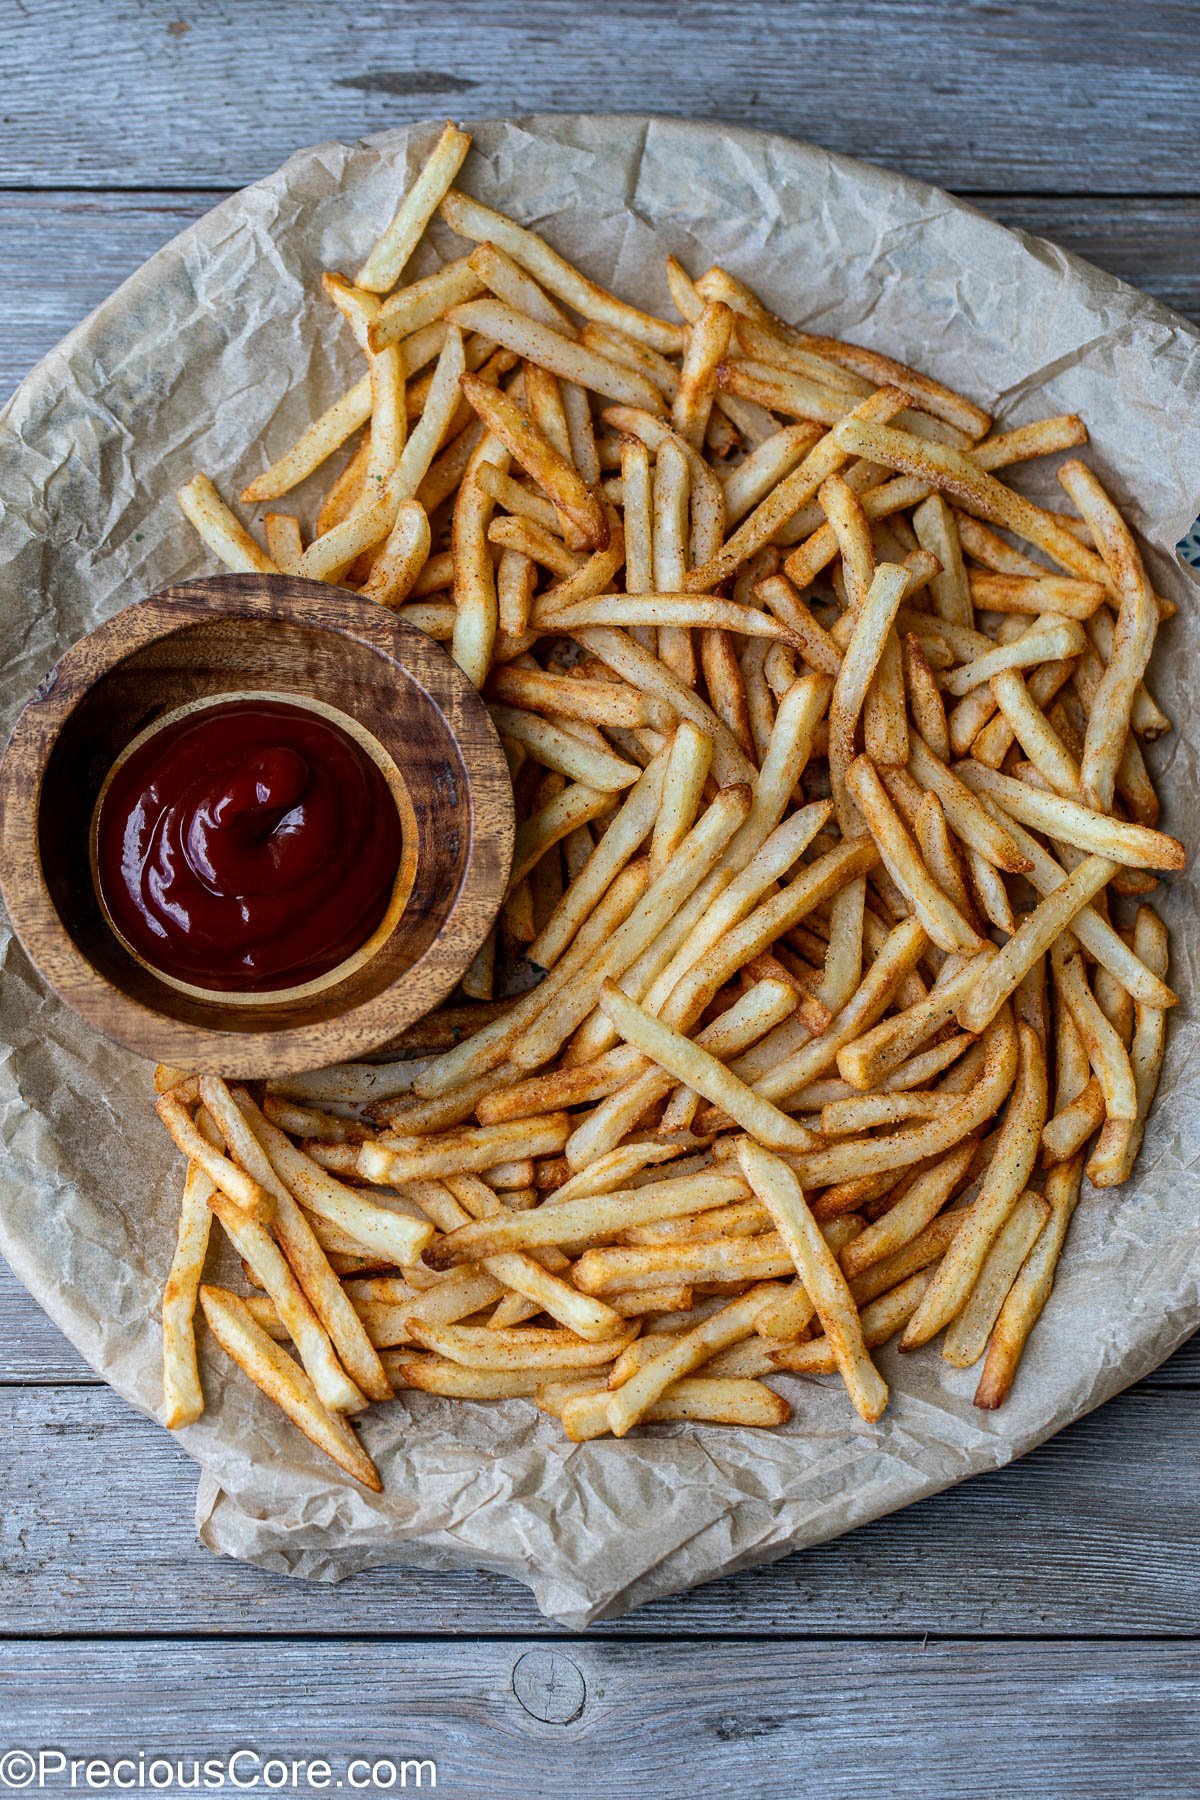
{"x":366,"y":1026}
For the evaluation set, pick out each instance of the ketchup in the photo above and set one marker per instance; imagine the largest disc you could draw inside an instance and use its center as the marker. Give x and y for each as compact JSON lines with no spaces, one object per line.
{"x":250,"y":845}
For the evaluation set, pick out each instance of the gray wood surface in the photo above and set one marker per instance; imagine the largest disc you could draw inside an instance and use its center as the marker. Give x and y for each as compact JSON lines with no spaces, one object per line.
{"x":944,"y":1720}
{"x":1032,"y":1631}
{"x":1095,"y":1534}
{"x":1068,"y":97}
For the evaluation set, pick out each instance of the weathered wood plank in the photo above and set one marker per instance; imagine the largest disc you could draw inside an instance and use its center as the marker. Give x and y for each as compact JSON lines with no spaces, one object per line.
{"x":1097,"y":1534}
{"x":63,"y":253}
{"x":770,"y":1720}
{"x":1077,"y":96}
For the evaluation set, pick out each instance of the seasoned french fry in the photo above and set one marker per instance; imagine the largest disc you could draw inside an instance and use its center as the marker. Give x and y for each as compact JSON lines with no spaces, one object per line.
{"x":1031,"y":1289}
{"x":183,"y":1396}
{"x":777,"y":1187}
{"x":284,"y":1382}
{"x":1003,"y":1184}
{"x":386,"y":262}
{"x":1111,"y":715}
{"x":225,"y":536}
{"x":472,"y":220}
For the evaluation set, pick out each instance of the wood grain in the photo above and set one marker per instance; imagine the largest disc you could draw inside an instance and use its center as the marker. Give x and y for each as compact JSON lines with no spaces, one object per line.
{"x":975,"y":96}
{"x":1095,"y":1534}
{"x":770,"y":1720}
{"x":61,"y":254}
{"x":247,"y":634}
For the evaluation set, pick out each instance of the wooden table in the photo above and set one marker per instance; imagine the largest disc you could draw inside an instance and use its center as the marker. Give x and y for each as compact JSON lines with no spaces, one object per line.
{"x":1030,"y":1632}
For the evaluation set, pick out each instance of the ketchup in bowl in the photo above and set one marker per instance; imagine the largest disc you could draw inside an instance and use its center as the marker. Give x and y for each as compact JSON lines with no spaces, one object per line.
{"x":247,"y":846}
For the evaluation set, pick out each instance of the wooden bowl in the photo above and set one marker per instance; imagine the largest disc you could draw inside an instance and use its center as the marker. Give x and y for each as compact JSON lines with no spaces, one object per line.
{"x":299,"y":640}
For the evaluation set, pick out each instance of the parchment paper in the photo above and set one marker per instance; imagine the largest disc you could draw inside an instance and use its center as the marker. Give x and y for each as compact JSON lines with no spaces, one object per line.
{"x":213,"y":356}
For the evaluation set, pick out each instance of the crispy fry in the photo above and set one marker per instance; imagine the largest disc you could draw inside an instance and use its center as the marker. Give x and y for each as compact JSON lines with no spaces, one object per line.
{"x":776,"y":1185}
{"x":1005,"y":1181}
{"x":472,"y":220}
{"x":1031,"y":1289}
{"x":225,"y":536}
{"x":273,"y":1370}
{"x":386,"y":262}
{"x":1110,"y":719}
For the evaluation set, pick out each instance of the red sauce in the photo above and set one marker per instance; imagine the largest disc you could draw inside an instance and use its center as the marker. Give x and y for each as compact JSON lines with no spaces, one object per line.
{"x":251,"y":845}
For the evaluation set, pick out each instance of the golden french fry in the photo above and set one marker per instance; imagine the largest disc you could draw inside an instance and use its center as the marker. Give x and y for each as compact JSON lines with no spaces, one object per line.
{"x":588,"y":1218}
{"x":224,"y":535}
{"x":1031,"y":1289}
{"x":272,"y":1370}
{"x":1004,"y":1182}
{"x":183,"y":1396}
{"x":386,"y":262}
{"x":872,"y":622}
{"x":1111,"y":716}
{"x":777,"y":1187}
{"x":422,"y":303}
{"x":1031,"y":940}
{"x":1072,"y":823}
{"x":967,"y":1337}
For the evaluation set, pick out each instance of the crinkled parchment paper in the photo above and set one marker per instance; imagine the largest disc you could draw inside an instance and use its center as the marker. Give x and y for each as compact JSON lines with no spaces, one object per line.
{"x":213,"y":356}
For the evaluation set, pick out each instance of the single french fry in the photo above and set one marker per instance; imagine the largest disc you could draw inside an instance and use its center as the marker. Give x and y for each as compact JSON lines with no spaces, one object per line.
{"x":666,"y":611}
{"x":393,"y":1234}
{"x":680,"y":1354}
{"x":1072,"y":823}
{"x":325,"y":435}
{"x":1114,"y":1156}
{"x":937,"y":531}
{"x":707,"y":341}
{"x":558,"y":479}
{"x":469,"y":1148}
{"x":872,"y":622}
{"x":923,"y":1200}
{"x":472,"y":220}
{"x":552,"y":822}
{"x":1111,"y":716}
{"x":477,"y":1347}
{"x":272,"y":1370}
{"x":1006,"y":1178}
{"x":967,"y":1336}
{"x":937,"y":913}
{"x":387,"y":260}
{"x":183,"y":1395}
{"x":224,"y":535}
{"x":685,"y":1059}
{"x":776,"y":1185}
{"x":438,"y":1375}
{"x":1031,"y":940}
{"x":558,"y":748}
{"x":589,"y":1218}
{"x":1032,"y":1288}
{"x":1106,"y":1051}
{"x":285,"y":546}
{"x":714,"y":1401}
{"x":559,"y":355}
{"x":898,"y":956}
{"x":967,"y":480}
{"x":900,"y":1149}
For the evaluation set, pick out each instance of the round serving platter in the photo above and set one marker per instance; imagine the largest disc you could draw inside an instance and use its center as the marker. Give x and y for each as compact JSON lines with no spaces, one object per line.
{"x":213,"y":356}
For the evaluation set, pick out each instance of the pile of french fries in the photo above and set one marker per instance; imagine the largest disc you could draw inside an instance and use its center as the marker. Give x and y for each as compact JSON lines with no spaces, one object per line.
{"x":826,"y":953}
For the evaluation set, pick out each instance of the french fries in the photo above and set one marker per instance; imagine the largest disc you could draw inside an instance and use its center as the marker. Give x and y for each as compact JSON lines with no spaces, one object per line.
{"x":829,"y":800}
